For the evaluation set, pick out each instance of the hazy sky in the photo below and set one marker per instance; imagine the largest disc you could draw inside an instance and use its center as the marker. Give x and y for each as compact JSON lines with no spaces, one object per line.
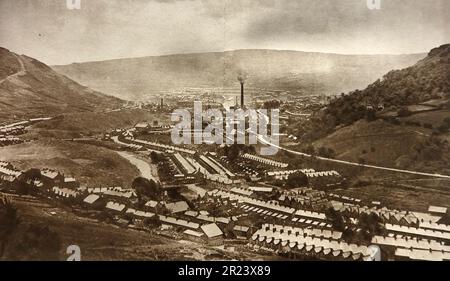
{"x":107,"y":29}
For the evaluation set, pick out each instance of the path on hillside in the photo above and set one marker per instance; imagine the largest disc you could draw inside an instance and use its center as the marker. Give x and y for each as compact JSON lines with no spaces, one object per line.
{"x":21,"y":72}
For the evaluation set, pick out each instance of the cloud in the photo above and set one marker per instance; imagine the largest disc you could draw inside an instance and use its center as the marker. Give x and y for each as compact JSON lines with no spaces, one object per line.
{"x":105,"y":29}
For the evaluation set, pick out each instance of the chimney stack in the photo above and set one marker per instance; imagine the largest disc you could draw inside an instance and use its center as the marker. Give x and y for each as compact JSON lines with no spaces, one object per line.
{"x":242,"y":94}
{"x":241,"y":79}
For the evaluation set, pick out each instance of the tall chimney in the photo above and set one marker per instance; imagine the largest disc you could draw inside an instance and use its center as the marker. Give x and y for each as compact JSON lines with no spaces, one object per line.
{"x":242,"y":94}
{"x":241,"y":78}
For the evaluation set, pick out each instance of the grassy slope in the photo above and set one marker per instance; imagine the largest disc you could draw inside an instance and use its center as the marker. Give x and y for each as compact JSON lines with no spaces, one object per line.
{"x":77,"y":124}
{"x":113,"y":243}
{"x":89,"y":164}
{"x":381,"y":143}
{"x":37,"y":90}
{"x":390,"y":142}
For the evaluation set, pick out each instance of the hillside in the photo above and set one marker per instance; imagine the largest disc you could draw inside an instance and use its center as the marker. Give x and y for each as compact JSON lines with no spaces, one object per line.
{"x":410,"y":132}
{"x":77,"y":125}
{"x":91,"y":165}
{"x":426,"y":80}
{"x":29,"y":88}
{"x":308,"y":73}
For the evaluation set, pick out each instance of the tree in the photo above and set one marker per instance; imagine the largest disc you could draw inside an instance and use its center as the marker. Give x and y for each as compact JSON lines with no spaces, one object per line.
{"x":25,"y":182}
{"x":335,"y":218}
{"x":146,"y":188}
{"x":371,"y":115}
{"x":155,"y":157}
{"x":233,"y":152}
{"x":8,"y":222}
{"x":295,"y":180}
{"x":370,"y":225}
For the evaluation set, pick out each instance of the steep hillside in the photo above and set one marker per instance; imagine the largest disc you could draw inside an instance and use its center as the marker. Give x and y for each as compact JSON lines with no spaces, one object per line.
{"x":410,"y":132}
{"x":29,"y":88}
{"x":426,"y":80}
{"x":309,"y":73}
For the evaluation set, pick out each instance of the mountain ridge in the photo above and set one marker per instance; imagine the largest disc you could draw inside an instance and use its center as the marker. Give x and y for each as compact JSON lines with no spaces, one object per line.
{"x":30,"y":88}
{"x":239,"y":50}
{"x":303,"y":72}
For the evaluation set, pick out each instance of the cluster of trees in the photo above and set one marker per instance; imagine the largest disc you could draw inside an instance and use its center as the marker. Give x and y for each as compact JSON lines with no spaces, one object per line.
{"x":233,"y":151}
{"x":24,"y":184}
{"x":272,"y":104}
{"x":146,"y":188}
{"x":166,"y":170}
{"x":156,"y":157}
{"x":367,"y":226}
{"x":295,"y":180}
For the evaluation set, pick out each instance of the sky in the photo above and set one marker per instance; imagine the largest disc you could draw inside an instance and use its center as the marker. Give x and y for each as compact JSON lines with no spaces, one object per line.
{"x":107,"y":29}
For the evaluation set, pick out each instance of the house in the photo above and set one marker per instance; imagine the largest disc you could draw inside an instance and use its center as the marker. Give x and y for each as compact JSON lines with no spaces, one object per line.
{"x":419,"y":232}
{"x":117,"y":207}
{"x":194,"y":236}
{"x":192,"y":214}
{"x":142,"y":126}
{"x":64,"y":192}
{"x":241,"y":232}
{"x":178,"y":222}
{"x":91,"y":199}
{"x":120,"y":193}
{"x":213,"y":233}
{"x":261,"y":189}
{"x":71,"y":183}
{"x":51,"y":178}
{"x":8,"y":173}
{"x":140,"y":214}
{"x":177,"y":207}
{"x":299,"y":244}
{"x":421,"y":255}
{"x":151,"y":204}
{"x":437,"y":210}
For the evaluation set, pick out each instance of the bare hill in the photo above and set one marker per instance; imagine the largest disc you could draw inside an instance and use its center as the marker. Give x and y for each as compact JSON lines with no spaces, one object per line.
{"x":29,"y":88}
{"x":308,"y":73}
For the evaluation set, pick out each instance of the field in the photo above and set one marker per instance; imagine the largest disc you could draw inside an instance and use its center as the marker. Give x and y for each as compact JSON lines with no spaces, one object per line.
{"x":434,"y":118}
{"x":91,"y":165}
{"x":93,"y":123}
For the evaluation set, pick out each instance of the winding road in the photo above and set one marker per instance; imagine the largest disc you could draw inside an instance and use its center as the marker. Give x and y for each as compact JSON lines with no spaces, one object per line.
{"x":143,"y":167}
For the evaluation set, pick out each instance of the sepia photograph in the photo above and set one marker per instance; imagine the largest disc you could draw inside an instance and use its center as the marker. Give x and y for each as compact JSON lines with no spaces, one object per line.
{"x":225,"y":131}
